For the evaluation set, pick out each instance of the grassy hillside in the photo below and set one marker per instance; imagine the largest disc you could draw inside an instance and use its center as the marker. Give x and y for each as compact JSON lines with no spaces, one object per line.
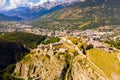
{"x":87,"y":14}
{"x":108,"y":62}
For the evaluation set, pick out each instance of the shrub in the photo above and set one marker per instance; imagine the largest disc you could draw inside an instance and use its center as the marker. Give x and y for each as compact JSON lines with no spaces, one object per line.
{"x":90,"y":46}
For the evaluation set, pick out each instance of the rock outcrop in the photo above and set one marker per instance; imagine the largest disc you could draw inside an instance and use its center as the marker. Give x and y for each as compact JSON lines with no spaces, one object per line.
{"x":51,"y":64}
{"x":56,"y":67}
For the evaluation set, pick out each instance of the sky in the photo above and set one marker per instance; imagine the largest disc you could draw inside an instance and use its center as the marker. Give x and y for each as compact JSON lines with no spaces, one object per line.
{"x":10,"y":4}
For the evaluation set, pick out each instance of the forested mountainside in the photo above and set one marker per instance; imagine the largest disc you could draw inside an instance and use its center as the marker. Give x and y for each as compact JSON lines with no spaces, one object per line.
{"x":10,"y":53}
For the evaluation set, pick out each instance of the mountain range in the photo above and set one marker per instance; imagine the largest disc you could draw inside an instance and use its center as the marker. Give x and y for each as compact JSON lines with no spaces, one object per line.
{"x":68,"y":13}
{"x":88,"y":14}
{"x":28,"y":13}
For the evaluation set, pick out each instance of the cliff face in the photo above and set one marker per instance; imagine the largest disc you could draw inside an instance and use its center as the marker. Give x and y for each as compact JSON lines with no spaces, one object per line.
{"x":51,"y":68}
{"x":53,"y":62}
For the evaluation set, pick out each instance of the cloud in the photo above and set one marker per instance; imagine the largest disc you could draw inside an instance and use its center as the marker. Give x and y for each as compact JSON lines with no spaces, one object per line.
{"x":21,"y":3}
{"x":18,"y":3}
{"x":30,"y":3}
{"x":40,"y":2}
{"x":43,"y":1}
{"x":2,"y":3}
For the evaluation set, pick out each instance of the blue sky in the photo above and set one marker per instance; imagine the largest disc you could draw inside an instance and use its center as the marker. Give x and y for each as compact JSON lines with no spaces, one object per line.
{"x":10,"y":4}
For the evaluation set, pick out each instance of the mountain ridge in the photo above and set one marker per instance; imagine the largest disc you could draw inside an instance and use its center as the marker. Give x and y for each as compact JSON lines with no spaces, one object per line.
{"x":28,"y":13}
{"x":88,"y":14}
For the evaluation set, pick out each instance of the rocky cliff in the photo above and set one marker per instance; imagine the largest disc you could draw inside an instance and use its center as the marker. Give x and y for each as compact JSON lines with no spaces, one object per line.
{"x":61,"y":61}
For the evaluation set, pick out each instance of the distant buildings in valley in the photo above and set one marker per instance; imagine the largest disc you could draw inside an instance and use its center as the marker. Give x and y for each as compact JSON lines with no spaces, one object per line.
{"x":95,"y":37}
